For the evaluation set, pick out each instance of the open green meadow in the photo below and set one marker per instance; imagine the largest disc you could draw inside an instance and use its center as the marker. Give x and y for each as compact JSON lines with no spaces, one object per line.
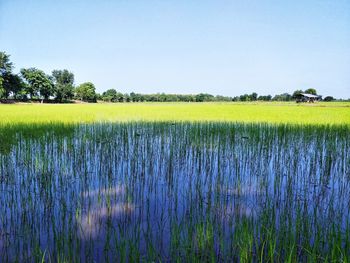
{"x":175,"y":182}
{"x":318,"y":113}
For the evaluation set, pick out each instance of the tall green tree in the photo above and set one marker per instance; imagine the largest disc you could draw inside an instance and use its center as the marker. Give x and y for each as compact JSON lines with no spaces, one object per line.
{"x":39,"y":83}
{"x":14,"y":84}
{"x":10,"y":84}
{"x":6,"y":67}
{"x":86,"y":92}
{"x":64,"y":84}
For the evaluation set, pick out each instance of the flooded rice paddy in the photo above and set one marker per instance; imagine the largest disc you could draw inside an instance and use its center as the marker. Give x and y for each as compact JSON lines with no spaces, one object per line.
{"x":174,"y":192}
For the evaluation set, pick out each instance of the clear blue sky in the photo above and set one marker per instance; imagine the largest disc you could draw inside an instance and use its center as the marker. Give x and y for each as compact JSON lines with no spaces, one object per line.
{"x":219,"y":47}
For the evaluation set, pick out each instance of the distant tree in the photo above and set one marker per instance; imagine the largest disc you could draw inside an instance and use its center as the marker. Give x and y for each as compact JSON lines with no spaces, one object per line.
{"x":141,"y":97}
{"x":328,"y":98}
{"x":200,"y":97}
{"x":152,"y":97}
{"x":244,"y":97}
{"x":282,"y":97}
{"x":190,"y":98}
{"x":222,"y":98}
{"x":15,"y":86}
{"x":265,"y":98}
{"x":133,"y":97}
{"x":110,"y":95}
{"x":311,"y":91}
{"x":126,"y":97}
{"x":120,"y":97}
{"x":173,"y":97}
{"x":204,"y":97}
{"x":86,"y":92}
{"x":64,"y":84}
{"x":22,"y":93}
{"x":5,"y":64}
{"x":98,"y":96}
{"x":163,"y":97}
{"x":5,"y":71}
{"x":39,"y":83}
{"x":287,"y":97}
{"x":297,"y":93}
{"x":187,"y":98}
{"x":253,"y":96}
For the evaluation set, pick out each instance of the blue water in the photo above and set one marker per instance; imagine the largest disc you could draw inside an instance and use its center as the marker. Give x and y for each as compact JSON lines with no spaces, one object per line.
{"x":109,"y":189}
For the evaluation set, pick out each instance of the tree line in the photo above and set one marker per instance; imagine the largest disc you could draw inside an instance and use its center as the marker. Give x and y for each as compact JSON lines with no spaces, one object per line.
{"x":35,"y":84}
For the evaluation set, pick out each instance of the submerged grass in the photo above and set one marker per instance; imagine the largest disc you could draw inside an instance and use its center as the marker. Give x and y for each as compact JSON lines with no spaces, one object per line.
{"x":175,"y":191}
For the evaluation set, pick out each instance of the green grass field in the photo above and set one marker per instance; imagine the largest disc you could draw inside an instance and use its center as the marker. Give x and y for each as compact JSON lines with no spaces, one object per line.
{"x":320,"y":113}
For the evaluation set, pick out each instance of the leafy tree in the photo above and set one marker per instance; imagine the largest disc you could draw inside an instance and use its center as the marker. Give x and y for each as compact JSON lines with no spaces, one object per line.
{"x":5,"y":64}
{"x":120,"y":97}
{"x":282,"y":97}
{"x":9,"y":83}
{"x":244,"y":97}
{"x":163,"y":97}
{"x":265,"y":98}
{"x":14,"y":84}
{"x":86,"y":92}
{"x":126,"y":97}
{"x":311,"y":91}
{"x":98,"y":96}
{"x":5,"y":71}
{"x":253,"y":96}
{"x":186,"y":98}
{"x":328,"y":98}
{"x":204,"y":97}
{"x":134,"y":97}
{"x":110,"y":95}
{"x":39,"y":83}
{"x":141,"y":97}
{"x":200,"y":98}
{"x":64,"y":84}
{"x":222,"y":98}
{"x":297,"y":93}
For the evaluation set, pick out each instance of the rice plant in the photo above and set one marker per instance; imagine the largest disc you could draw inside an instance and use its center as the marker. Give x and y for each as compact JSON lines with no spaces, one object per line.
{"x":174,"y":191}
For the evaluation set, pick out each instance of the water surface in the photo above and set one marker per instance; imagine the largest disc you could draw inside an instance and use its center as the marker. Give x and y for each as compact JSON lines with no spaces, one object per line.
{"x":165,"y":191}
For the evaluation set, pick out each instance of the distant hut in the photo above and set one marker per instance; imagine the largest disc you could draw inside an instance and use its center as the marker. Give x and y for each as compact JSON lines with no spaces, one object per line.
{"x":306,"y":97}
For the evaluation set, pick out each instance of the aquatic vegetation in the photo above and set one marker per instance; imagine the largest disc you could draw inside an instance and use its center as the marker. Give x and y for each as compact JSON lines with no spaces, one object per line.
{"x":175,"y":191}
